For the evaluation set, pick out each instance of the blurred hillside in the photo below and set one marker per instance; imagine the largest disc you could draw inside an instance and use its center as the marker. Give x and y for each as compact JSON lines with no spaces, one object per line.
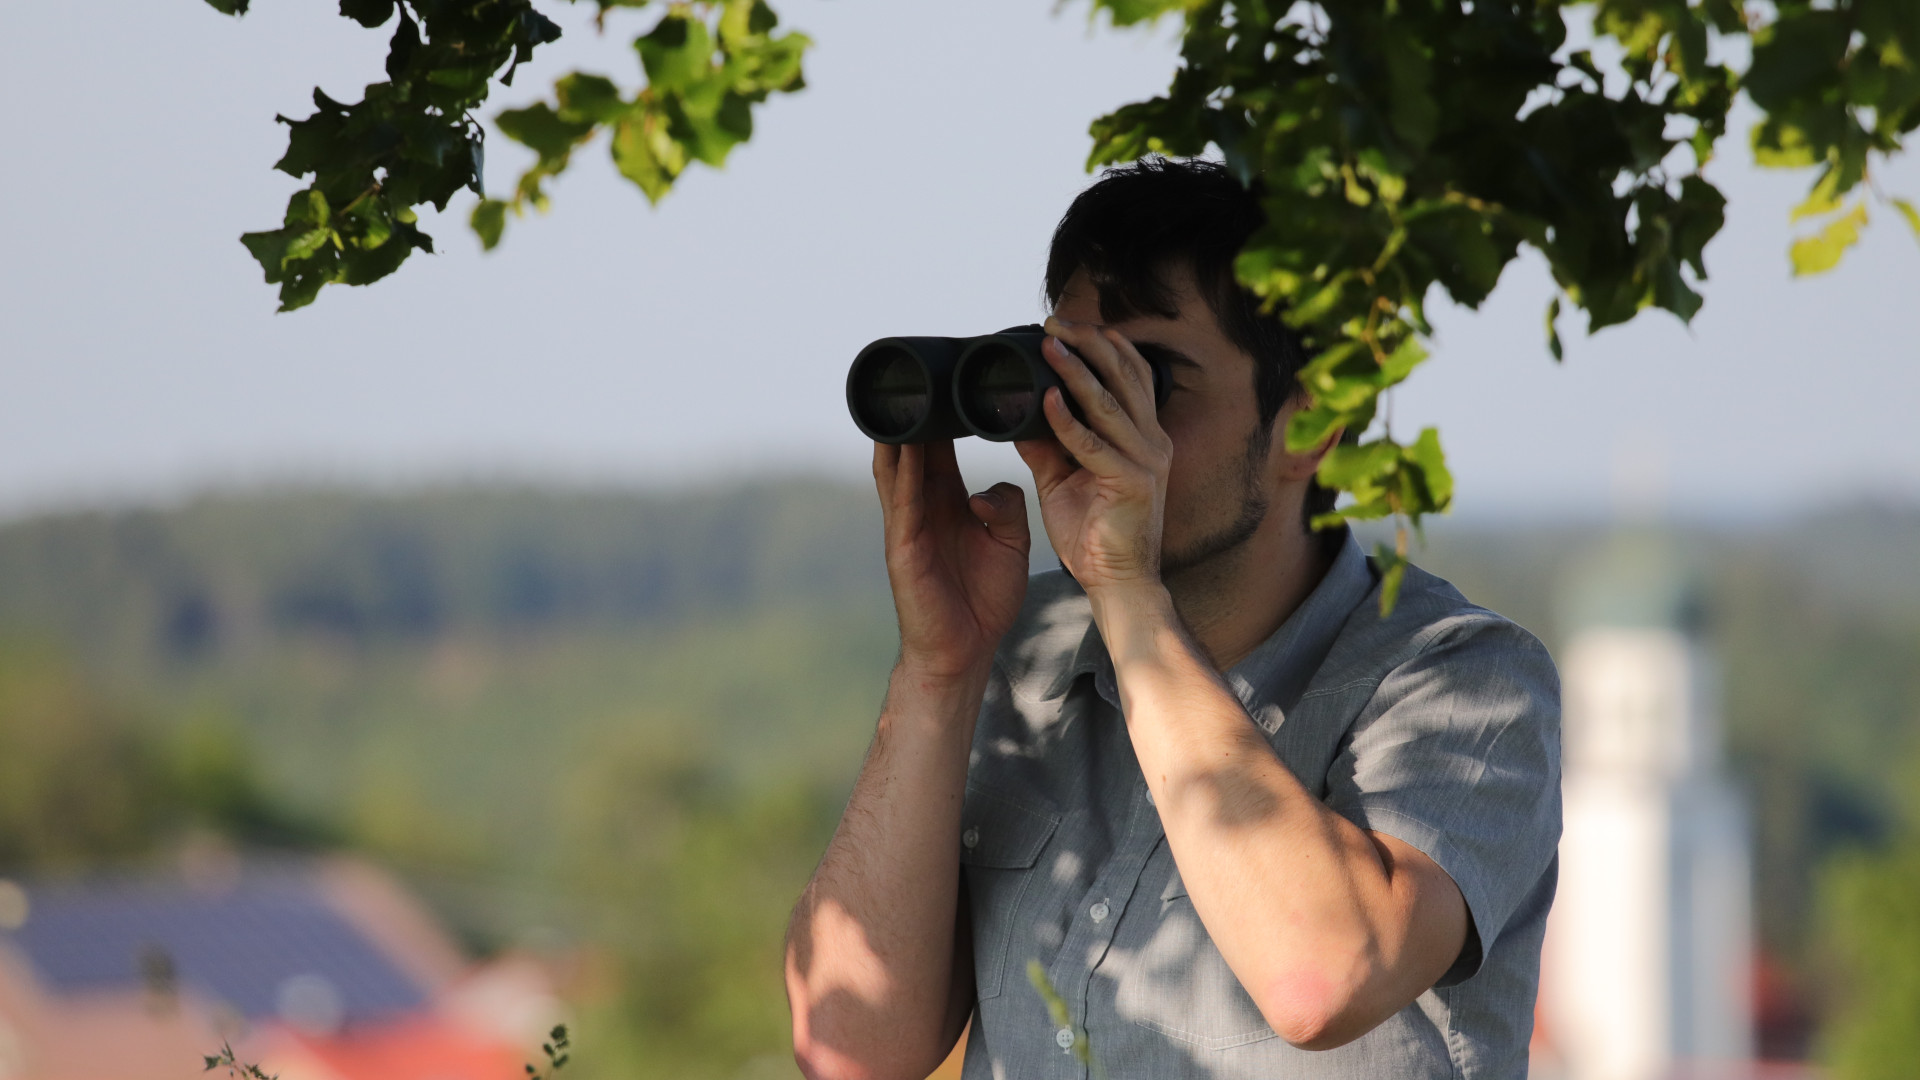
{"x":629,"y":718}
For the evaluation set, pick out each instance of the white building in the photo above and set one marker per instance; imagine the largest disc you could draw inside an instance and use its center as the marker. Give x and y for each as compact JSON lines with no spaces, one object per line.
{"x":1646,"y":970}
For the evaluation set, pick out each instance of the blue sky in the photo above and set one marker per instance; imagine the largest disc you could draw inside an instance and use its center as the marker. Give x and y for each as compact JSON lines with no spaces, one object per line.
{"x":911,"y":188}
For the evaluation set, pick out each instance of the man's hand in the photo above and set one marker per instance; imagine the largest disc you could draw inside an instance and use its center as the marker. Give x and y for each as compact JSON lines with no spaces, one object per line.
{"x":1103,"y":484}
{"x":957,"y":564}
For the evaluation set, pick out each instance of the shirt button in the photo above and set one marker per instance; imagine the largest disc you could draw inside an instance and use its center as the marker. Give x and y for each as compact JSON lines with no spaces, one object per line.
{"x":1149,"y":796}
{"x":970,"y":839}
{"x":1064,"y":1037}
{"x":1100,"y":911}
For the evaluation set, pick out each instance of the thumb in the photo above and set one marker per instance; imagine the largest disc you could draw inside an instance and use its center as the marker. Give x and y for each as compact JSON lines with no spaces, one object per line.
{"x":1002,"y":508}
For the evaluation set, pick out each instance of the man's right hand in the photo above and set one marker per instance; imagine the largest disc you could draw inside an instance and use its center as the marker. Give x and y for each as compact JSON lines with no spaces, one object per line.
{"x":957,"y":564}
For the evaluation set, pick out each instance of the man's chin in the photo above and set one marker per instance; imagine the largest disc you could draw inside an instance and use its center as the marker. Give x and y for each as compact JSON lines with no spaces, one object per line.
{"x":1213,"y":550}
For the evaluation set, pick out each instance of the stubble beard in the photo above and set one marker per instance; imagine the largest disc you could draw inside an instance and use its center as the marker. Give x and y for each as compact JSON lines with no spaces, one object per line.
{"x":1213,"y":550}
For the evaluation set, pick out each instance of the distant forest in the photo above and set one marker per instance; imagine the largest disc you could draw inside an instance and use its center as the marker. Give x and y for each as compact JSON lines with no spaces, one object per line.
{"x":629,"y":718}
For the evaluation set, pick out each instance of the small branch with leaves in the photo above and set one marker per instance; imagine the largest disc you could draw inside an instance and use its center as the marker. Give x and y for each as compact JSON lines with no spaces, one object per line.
{"x":557,"y":1051}
{"x":236,"y":1069}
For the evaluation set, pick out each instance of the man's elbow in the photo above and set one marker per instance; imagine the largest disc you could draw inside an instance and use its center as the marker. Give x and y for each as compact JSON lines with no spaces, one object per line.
{"x":1319,"y":1008}
{"x":820,"y":1060}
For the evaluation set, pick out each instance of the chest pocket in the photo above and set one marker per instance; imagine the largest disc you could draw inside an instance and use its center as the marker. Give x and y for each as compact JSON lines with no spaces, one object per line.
{"x":1177,"y":984}
{"x":1000,"y":841}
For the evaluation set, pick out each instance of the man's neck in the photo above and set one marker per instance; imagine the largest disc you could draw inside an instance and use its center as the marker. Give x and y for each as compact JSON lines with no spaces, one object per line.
{"x":1236,"y":600}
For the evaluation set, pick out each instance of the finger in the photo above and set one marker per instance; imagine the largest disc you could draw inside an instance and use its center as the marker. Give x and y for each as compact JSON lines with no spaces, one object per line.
{"x":1002,"y":508}
{"x":1095,"y":454}
{"x":943,"y":480}
{"x":1104,"y":412}
{"x":1114,"y":361}
{"x":886,"y":459}
{"x":1135,"y":385}
{"x":908,"y":479}
{"x":1048,"y":460}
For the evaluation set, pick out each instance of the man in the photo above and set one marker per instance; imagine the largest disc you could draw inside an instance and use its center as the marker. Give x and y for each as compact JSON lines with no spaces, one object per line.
{"x":1244,"y":825}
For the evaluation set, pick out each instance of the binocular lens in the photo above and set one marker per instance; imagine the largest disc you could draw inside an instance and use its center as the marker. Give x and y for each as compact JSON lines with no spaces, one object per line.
{"x":999,"y":393}
{"x":891,"y":393}
{"x":925,"y":389}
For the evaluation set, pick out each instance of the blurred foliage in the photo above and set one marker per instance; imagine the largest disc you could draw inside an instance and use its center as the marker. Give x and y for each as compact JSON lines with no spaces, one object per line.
{"x":83,"y":780}
{"x":716,"y":863}
{"x":1871,"y":917}
{"x":1407,"y":149}
{"x":75,"y":779}
{"x":628,"y":721}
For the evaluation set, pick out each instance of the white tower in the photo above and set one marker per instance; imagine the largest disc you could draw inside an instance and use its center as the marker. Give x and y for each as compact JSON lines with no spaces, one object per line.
{"x":1645,"y":975}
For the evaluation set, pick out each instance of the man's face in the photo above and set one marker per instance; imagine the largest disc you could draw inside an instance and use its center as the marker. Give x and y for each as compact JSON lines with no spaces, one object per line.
{"x":1224,"y":480}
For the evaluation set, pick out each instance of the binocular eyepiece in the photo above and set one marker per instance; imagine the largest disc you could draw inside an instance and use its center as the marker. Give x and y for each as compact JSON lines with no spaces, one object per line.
{"x":922,"y":389}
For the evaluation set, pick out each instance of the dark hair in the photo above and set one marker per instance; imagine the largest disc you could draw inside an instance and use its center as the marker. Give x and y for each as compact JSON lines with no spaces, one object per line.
{"x":1139,"y":220}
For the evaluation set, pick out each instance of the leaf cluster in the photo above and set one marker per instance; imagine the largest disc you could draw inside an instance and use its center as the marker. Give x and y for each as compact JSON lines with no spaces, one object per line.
{"x":1840,"y":85}
{"x":707,"y":64}
{"x":409,"y":140}
{"x":1404,"y":147}
{"x":558,"y":1051}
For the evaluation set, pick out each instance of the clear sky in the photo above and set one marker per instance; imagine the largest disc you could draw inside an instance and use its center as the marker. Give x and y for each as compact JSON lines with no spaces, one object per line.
{"x":910,"y":189}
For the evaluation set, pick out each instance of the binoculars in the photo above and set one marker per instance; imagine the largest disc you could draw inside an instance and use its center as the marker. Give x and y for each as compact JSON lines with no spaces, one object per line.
{"x":922,"y":389}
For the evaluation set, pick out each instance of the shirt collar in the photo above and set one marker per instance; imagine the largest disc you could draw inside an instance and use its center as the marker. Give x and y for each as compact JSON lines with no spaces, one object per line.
{"x":1277,"y":671}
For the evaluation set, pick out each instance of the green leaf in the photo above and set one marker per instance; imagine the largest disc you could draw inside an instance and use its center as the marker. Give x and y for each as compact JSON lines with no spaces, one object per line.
{"x":368,"y":13}
{"x":1308,"y":428}
{"x":1393,"y":574}
{"x":1347,"y":466}
{"x":1401,"y":362}
{"x":545,"y":131}
{"x":1823,"y":199}
{"x":1912,"y":215}
{"x":305,"y":244}
{"x":228,"y":7}
{"x":1798,"y":57}
{"x":1431,"y":462}
{"x":636,"y":153}
{"x":1131,"y":12}
{"x":1822,"y":252}
{"x":590,"y":98}
{"x":1553,"y":329}
{"x":489,"y":221}
{"x":1414,"y":112}
{"x":1781,"y":144}
{"x":677,"y":53}
{"x":308,"y":207}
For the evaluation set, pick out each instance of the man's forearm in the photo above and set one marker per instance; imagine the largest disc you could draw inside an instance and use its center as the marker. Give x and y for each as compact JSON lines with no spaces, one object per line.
{"x":871,"y":971}
{"x":1310,"y":911}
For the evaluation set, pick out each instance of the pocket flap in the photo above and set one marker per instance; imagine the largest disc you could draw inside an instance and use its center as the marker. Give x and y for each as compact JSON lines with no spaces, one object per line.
{"x":998,"y":833}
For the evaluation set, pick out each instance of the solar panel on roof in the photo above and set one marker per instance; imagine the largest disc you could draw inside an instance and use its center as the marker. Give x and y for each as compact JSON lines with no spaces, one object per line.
{"x":241,"y":947}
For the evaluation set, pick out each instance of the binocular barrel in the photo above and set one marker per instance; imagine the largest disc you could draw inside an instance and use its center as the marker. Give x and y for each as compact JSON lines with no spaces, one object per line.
{"x":922,"y":389}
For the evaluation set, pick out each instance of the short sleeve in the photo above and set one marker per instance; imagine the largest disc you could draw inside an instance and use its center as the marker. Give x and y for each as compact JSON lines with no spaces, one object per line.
{"x":1458,"y":754}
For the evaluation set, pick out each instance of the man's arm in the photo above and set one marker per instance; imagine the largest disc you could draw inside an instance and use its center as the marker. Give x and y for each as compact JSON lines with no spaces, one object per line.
{"x":876,"y":977}
{"x":1331,"y":929}
{"x":879,"y":961}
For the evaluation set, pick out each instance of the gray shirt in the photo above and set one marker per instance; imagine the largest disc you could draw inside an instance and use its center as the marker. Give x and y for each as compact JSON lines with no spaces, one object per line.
{"x":1438,"y":725}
